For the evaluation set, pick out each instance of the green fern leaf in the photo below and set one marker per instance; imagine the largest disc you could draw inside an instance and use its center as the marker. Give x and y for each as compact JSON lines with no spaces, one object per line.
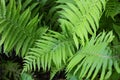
{"x":18,"y":29}
{"x":94,"y":57}
{"x":52,"y":49}
{"x":112,"y":8}
{"x":80,"y":17}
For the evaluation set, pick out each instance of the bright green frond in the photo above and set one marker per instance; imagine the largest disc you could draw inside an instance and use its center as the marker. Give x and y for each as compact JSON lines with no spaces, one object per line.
{"x":73,"y":42}
{"x":80,"y":17}
{"x":94,"y":58}
{"x":52,"y":49}
{"x":17,"y":28}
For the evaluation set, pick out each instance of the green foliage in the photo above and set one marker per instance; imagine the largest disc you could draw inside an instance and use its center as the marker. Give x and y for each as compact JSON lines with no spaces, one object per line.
{"x":53,"y":49}
{"x":112,"y":8}
{"x":78,"y":37}
{"x":94,"y":57}
{"x":83,"y":18}
{"x":26,"y":76}
{"x":13,"y":22}
{"x":117,"y":29}
{"x":10,"y":70}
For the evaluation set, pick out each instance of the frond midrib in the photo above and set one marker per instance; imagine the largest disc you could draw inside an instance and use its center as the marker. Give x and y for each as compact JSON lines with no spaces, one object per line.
{"x":16,"y":26}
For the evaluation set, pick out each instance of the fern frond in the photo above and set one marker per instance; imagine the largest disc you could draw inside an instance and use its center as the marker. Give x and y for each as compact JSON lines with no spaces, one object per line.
{"x":17,"y":28}
{"x":112,"y":8}
{"x":80,"y":17}
{"x":94,"y":58}
{"x":10,"y":70}
{"x":52,"y":49}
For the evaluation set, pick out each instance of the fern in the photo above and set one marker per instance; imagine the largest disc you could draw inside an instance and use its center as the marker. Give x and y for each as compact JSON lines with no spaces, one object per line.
{"x":112,"y":8}
{"x":72,"y":43}
{"x":95,"y":58}
{"x":10,"y":70}
{"x":80,"y":22}
{"x":83,"y":17}
{"x":52,"y":49}
{"x":17,"y":28}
